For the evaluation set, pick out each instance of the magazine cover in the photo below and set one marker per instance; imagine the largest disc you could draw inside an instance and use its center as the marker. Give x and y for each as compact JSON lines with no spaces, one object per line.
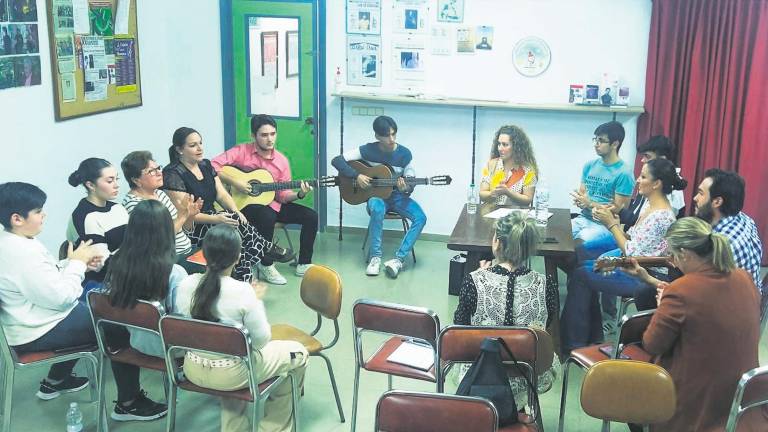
{"x":576,"y":94}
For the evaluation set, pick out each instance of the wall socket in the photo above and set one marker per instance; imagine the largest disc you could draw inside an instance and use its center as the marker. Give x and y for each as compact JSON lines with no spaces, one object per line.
{"x":367,"y":111}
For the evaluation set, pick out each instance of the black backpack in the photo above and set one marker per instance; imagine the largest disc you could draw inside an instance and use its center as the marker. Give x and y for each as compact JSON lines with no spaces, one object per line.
{"x":488,"y":378}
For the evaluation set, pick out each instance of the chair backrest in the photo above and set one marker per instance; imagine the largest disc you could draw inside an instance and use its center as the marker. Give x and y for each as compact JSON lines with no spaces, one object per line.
{"x":632,"y":328}
{"x":217,"y":338}
{"x":401,"y":411}
{"x":396,"y":319}
{"x":628,"y":391}
{"x":145,"y":315}
{"x":321,"y":291}
{"x":462,"y":344}
{"x":751,"y":392}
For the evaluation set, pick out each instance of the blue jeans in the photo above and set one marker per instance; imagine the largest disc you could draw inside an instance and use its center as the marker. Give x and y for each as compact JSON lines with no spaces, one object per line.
{"x":595,"y":238}
{"x":403,"y":205}
{"x":582,"y":322}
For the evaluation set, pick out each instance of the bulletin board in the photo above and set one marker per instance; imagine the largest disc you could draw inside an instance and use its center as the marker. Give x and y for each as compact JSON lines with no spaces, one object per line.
{"x":94,"y":60}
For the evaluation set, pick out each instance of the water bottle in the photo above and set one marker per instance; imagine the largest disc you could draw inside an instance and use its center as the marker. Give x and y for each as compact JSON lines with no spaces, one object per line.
{"x":74,"y":418}
{"x":473,"y":199}
{"x":337,"y":80}
{"x":542,"y":203}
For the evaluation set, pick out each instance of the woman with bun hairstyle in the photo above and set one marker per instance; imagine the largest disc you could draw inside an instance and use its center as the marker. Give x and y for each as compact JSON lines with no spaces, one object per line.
{"x":705,"y":331}
{"x":97,"y":217}
{"x":581,"y":323}
{"x":189,"y":173}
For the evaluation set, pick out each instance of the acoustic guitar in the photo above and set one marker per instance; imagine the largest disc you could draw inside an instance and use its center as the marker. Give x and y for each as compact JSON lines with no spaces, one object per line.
{"x":383,"y":182}
{"x":607,"y":264}
{"x":263,"y":185}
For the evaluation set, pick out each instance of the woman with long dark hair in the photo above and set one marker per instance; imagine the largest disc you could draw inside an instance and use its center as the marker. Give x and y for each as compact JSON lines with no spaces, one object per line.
{"x":144,"y":268}
{"x":190,"y":173}
{"x":215,"y":296}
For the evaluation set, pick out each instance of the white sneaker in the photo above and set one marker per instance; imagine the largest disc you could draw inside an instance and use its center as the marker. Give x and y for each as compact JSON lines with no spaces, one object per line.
{"x":271,"y":275}
{"x":374,"y":266}
{"x":302,"y":268}
{"x":392,"y":267}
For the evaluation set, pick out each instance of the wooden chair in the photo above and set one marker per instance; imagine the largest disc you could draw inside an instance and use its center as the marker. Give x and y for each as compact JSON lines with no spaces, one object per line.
{"x":532,"y":348}
{"x":404,"y":411}
{"x":13,"y":362}
{"x":321,"y":292}
{"x":627,"y":343}
{"x":628,"y":391}
{"x":144,"y":316}
{"x":402,"y":322}
{"x":751,"y":392}
{"x":181,"y":334}
{"x":406,"y":227}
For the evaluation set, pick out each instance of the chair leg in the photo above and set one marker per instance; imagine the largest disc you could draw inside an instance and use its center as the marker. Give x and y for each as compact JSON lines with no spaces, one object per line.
{"x":563,"y":396}
{"x":295,"y":261}
{"x":295,"y":393}
{"x":101,"y":408}
{"x":171,"y":398}
{"x":8,"y":398}
{"x":93,"y":378}
{"x":257,"y":413}
{"x":354,"y":397}
{"x":333,"y":384}
{"x":166,"y":385}
{"x":606,"y":426}
{"x":389,"y":382}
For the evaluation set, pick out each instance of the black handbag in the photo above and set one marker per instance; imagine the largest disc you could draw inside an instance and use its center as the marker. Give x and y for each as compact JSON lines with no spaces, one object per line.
{"x":488,"y":378}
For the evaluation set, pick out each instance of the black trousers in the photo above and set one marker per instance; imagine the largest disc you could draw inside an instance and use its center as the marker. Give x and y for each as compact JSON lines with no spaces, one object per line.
{"x":264,"y":217}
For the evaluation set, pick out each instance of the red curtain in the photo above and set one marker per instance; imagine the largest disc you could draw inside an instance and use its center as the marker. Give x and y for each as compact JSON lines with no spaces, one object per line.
{"x":707,"y":89}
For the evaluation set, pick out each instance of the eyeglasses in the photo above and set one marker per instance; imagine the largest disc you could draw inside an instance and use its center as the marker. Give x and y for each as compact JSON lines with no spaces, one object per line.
{"x":597,"y":140}
{"x":158,"y":170}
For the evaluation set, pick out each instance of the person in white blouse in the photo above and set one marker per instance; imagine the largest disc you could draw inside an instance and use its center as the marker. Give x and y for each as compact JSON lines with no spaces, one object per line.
{"x":216,"y":296}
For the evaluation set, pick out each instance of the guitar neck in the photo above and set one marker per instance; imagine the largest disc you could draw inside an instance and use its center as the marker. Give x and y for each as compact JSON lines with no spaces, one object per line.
{"x":652,"y":261}
{"x":410,"y":181}
{"x":293,"y":184}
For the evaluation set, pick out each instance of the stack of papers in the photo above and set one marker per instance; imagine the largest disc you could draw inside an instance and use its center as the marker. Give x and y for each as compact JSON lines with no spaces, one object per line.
{"x":414,"y":355}
{"x":503,"y":211}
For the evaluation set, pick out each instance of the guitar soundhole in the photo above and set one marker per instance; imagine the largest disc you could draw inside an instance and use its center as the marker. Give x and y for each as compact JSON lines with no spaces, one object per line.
{"x":255,"y":190}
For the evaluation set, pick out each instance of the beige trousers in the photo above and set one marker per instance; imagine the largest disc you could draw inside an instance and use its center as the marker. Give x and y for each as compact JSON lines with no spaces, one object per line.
{"x":273,"y":359}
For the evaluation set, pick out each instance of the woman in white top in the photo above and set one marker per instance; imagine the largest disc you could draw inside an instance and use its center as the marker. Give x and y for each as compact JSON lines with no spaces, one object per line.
{"x":510,"y":176}
{"x":508,"y":293}
{"x":216,"y":296}
{"x":145,"y":178}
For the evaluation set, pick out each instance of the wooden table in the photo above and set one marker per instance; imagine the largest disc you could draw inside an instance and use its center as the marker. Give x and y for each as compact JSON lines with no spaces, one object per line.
{"x":472,"y":234}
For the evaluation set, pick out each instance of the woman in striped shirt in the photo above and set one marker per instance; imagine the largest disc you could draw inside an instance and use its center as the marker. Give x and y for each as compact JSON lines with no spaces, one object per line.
{"x":145,"y":177}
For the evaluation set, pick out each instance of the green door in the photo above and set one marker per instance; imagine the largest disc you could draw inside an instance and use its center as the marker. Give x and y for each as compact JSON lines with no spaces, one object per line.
{"x":269,"y":67}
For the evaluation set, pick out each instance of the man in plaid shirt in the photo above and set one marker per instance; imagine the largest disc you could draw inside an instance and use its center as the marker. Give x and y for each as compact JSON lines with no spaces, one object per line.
{"x":719,"y":200}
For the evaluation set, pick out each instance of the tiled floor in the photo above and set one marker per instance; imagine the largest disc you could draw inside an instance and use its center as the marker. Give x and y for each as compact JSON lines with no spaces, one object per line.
{"x":422,"y":285}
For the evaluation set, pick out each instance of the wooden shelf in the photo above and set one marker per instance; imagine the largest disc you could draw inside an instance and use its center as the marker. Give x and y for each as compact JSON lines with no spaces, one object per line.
{"x":433,"y":100}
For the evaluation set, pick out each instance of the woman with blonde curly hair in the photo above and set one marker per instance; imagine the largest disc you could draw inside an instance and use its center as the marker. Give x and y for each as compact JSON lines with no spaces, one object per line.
{"x":511,"y":174}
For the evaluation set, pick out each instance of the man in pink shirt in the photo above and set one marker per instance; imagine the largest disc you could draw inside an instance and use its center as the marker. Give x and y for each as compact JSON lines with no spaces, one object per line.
{"x":261,"y":154}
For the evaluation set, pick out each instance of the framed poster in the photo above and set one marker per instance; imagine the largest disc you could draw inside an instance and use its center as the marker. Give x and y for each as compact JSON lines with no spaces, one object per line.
{"x":269,"y":55}
{"x":364,"y":60}
{"x":364,"y":16}
{"x":291,"y":53}
{"x":451,"y":11}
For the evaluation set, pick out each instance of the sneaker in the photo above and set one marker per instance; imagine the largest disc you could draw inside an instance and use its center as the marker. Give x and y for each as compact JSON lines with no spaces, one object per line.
{"x":374,"y":266}
{"x":271,"y":275}
{"x":142,"y":409}
{"x":279,"y":254}
{"x":70,"y":384}
{"x":302,"y":268}
{"x":392,"y":267}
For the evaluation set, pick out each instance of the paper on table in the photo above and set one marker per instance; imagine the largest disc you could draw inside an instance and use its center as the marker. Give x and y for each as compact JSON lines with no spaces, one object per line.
{"x":501,"y":212}
{"x":413,"y":355}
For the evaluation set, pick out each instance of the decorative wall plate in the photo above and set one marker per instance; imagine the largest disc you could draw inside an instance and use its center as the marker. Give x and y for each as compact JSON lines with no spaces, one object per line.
{"x":531,"y":56}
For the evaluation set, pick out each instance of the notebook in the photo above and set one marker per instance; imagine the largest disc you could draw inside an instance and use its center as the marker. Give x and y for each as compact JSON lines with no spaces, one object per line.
{"x":197,"y":258}
{"x":414,"y":355}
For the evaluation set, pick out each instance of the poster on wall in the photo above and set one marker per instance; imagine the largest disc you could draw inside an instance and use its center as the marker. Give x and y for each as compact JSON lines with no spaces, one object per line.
{"x":410,"y":16}
{"x":19,"y":44}
{"x":95,"y":72}
{"x":364,"y":60}
{"x":484,"y":38}
{"x":408,"y":62}
{"x":440,"y":40}
{"x":450,"y":11}
{"x":364,"y":16}
{"x":125,"y":65}
{"x":465,"y":40}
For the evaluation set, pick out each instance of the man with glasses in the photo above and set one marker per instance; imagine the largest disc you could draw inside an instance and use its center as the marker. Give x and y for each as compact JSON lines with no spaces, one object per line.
{"x":145,"y":178}
{"x":605,"y":182}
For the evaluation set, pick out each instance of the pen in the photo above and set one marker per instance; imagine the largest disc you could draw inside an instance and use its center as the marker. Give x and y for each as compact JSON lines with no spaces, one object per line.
{"x":417,"y":342}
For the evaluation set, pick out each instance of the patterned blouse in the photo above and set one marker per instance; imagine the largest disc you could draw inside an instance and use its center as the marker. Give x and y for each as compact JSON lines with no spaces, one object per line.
{"x":647,"y":236}
{"x":499,"y":297}
{"x":516,"y":179}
